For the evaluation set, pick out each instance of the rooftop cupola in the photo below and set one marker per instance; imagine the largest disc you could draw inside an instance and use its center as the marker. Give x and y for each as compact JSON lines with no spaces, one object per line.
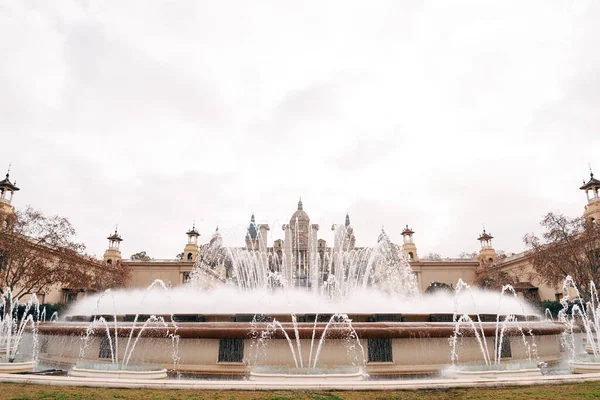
{"x":347,"y":223}
{"x":410,"y":249}
{"x":591,"y":188}
{"x":191,"y":251}
{"x":300,"y":204}
{"x":487,"y":252}
{"x":113,"y":253}
{"x":7,"y":190}
{"x":485,"y":239}
{"x":193,"y":235}
{"x":114,"y":240}
{"x":407,"y":234}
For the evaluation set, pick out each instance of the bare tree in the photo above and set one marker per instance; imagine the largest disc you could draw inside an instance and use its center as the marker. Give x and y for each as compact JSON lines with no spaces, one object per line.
{"x":466,"y":254}
{"x":38,"y":252}
{"x":433,"y":256}
{"x":140,"y":256}
{"x":568,"y":246}
{"x":490,"y":275}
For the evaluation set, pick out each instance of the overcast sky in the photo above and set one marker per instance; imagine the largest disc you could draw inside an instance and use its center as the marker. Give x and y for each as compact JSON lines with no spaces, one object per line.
{"x":441,"y":115}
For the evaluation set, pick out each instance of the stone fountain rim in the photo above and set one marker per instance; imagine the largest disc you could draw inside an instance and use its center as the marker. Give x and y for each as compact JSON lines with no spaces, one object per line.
{"x":160,"y":373}
{"x":283,"y":385}
{"x":244,"y":330}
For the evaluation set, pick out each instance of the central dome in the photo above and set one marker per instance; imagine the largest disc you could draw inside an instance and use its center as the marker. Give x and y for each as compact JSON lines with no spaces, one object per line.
{"x":300,"y":217}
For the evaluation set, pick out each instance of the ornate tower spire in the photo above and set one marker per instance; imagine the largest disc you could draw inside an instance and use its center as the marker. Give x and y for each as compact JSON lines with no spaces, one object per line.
{"x":410,"y":249}
{"x":487,"y":252}
{"x":113,"y":253}
{"x":300,"y":204}
{"x":191,"y":250}
{"x":348,"y":240}
{"x":252,"y":235}
{"x":7,"y":190}
{"x":592,"y":188}
{"x":216,"y":238}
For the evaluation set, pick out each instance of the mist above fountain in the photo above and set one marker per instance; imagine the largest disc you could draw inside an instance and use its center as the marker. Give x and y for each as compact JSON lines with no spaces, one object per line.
{"x":338,"y":272}
{"x":343,"y":311}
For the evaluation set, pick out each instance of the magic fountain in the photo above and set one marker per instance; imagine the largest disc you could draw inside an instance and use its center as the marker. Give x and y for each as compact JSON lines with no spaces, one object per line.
{"x":348,"y":315}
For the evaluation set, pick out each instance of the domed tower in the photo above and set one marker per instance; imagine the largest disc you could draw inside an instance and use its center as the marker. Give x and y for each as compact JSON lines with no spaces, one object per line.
{"x":592,"y":208}
{"x":252,"y":235}
{"x":7,"y":190}
{"x":299,"y":229}
{"x":410,"y":249}
{"x":112,"y":255}
{"x":487,"y":252}
{"x":216,"y":239}
{"x":216,"y":245}
{"x":300,"y":244}
{"x":191,"y":251}
{"x":349,"y":240}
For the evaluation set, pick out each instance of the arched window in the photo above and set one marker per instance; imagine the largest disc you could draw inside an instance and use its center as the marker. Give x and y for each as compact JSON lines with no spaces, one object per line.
{"x":411,"y":255}
{"x":109,"y":261}
{"x":189,"y":256}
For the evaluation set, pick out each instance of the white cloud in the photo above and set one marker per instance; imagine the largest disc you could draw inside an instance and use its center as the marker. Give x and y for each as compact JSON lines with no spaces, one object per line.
{"x":440,"y":115}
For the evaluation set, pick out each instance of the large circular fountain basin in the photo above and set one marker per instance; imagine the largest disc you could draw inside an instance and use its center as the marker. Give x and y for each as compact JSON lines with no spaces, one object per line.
{"x":110,"y":373}
{"x":591,"y":365}
{"x":315,"y":375}
{"x":495,"y":372}
{"x":14,"y":367}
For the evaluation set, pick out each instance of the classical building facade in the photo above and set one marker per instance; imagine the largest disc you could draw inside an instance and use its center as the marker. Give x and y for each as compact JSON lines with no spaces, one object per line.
{"x":38,"y":258}
{"x":301,"y":254}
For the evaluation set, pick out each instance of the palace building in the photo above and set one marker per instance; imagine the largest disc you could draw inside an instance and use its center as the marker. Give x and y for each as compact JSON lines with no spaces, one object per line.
{"x":301,"y":254}
{"x":301,"y":251}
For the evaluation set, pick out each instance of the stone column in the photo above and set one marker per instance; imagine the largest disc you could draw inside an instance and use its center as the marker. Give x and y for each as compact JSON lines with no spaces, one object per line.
{"x":262,"y":237}
{"x":288,"y":257}
{"x":313,"y":258}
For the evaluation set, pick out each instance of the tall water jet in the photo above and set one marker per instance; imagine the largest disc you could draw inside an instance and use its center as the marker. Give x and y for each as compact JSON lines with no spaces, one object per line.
{"x":265,"y":368}
{"x":507,"y":326}
{"x":14,"y":321}
{"x":119,"y":365}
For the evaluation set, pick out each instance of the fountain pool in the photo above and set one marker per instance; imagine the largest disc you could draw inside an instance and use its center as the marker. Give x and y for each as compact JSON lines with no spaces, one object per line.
{"x":218,"y":334}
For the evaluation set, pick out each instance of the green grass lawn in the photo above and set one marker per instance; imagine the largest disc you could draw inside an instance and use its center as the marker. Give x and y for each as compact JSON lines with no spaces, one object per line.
{"x":589,"y":390}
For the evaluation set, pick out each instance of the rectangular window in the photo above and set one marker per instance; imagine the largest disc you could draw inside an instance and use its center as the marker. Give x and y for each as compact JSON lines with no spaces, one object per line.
{"x":231,"y":350}
{"x":440,"y":318}
{"x":505,"y":350}
{"x":380,"y":350}
{"x":388,"y":318}
{"x":104,"y":347}
{"x":44,"y":345}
